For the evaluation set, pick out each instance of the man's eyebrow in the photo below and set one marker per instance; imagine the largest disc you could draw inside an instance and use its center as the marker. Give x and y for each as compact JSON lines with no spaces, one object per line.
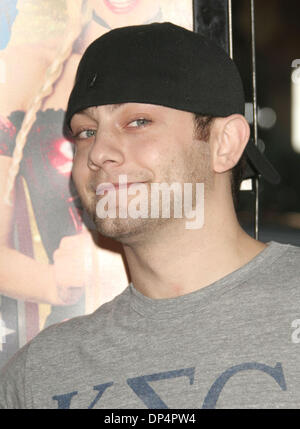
{"x":88,"y":111}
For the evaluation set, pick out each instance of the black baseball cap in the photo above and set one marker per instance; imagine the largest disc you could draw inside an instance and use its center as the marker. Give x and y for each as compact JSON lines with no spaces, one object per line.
{"x":167,"y":65}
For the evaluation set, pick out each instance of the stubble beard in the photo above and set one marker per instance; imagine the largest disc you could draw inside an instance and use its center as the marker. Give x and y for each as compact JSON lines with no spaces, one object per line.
{"x":121,"y":229}
{"x":194,"y":169}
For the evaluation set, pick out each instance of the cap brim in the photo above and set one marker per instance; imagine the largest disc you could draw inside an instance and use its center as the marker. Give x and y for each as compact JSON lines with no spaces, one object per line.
{"x":259,"y":164}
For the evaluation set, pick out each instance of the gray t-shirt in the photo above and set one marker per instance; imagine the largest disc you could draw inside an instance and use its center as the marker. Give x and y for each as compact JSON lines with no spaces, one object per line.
{"x":232,"y":344}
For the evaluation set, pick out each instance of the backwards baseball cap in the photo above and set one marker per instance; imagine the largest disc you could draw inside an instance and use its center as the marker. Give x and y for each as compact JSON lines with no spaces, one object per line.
{"x":163,"y":64}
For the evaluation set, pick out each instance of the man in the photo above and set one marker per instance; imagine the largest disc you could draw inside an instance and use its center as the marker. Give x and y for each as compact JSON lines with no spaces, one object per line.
{"x":210,"y":318}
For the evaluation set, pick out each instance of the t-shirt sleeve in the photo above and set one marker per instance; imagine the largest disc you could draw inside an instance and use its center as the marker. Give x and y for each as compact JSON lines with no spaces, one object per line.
{"x":13,"y":381}
{"x":7,"y":137}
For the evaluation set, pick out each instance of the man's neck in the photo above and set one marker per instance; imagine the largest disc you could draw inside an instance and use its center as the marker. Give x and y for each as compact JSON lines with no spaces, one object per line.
{"x":177,"y":261}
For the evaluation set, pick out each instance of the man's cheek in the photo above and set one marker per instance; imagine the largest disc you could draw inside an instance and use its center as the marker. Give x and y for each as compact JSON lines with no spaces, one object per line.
{"x":79,"y":172}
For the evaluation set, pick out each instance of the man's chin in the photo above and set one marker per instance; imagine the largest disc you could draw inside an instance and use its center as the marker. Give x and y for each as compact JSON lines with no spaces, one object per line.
{"x":120,"y":229}
{"x":126,"y":230}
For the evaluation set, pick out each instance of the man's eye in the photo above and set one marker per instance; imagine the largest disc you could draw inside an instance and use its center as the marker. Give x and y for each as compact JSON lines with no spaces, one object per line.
{"x":85,"y":134}
{"x":141,"y":122}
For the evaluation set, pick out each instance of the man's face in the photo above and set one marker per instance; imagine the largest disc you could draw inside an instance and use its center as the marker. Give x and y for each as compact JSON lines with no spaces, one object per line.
{"x":147,"y":143}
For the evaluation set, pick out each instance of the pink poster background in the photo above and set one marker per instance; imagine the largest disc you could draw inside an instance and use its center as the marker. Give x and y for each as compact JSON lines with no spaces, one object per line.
{"x":53,"y":265}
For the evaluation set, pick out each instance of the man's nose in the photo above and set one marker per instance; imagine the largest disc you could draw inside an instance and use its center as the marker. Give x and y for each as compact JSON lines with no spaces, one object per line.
{"x":106,"y":152}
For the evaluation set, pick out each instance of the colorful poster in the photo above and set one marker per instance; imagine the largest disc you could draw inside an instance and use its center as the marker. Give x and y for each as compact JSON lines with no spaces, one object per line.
{"x":53,"y":265}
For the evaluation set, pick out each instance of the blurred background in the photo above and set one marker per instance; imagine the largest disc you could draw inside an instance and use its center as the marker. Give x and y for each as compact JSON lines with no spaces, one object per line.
{"x":277,"y":46}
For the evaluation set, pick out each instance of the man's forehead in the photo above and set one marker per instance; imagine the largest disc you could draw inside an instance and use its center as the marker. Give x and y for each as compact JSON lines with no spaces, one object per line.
{"x":92,"y":111}
{"x":110,"y":107}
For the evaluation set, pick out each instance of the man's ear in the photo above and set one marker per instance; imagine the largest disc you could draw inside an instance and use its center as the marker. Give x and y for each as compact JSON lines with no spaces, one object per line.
{"x":230,"y":136}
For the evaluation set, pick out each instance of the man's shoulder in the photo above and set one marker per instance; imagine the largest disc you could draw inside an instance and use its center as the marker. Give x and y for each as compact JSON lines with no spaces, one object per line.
{"x":282,"y":254}
{"x":59,"y":345}
{"x":273,"y":275}
{"x":287,"y":256}
{"x":65,"y":338}
{"x":82,"y":326}
{"x":279,"y":270}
